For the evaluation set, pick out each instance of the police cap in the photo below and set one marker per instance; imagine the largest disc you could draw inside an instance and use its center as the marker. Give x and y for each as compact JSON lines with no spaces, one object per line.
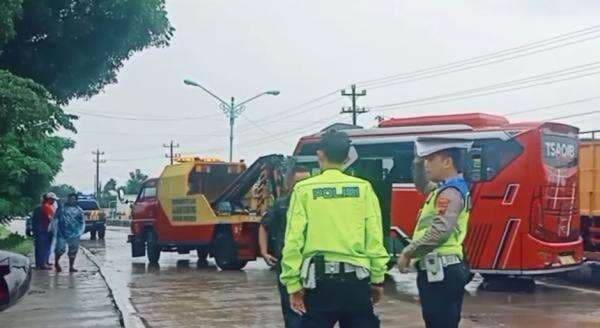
{"x":425,"y":146}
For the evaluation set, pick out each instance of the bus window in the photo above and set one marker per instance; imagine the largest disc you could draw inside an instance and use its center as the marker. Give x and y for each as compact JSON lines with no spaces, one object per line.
{"x":495,"y":155}
{"x":559,"y":151}
{"x":401,"y":171}
{"x":308,"y":149}
{"x":396,"y":159}
{"x":210,"y":180}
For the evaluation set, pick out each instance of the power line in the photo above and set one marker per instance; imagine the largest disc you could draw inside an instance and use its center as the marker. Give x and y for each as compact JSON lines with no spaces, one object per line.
{"x":148,"y":134}
{"x":545,"y":45}
{"x":535,"y":109}
{"x":459,"y":70}
{"x":292,"y":131}
{"x":498,"y":87}
{"x":572,"y":115}
{"x":310,"y":109}
{"x":263,"y":129}
{"x":533,"y":78}
{"x":475,"y":61}
{"x":300,"y":109}
{"x":141,"y":118}
{"x":133,"y":159}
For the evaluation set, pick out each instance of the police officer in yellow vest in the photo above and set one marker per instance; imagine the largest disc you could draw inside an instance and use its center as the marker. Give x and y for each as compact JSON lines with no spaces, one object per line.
{"x":334,"y":259}
{"x":436,"y":247}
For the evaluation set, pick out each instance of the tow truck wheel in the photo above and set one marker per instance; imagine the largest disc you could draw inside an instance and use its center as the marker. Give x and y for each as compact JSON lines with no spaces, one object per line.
{"x":152,"y":248}
{"x":225,"y":252}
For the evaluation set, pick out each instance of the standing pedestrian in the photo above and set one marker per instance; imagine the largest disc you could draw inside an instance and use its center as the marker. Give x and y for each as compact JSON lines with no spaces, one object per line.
{"x":271,"y":236}
{"x":334,"y":260}
{"x":70,"y":227}
{"x":40,"y":221}
{"x":436,"y":245}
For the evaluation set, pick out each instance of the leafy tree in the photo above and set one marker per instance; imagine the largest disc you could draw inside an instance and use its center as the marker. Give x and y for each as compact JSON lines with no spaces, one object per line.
{"x":70,"y":48}
{"x":9,"y":11}
{"x":30,"y":153}
{"x":106,"y":197}
{"x":75,"y":47}
{"x":134,"y":184}
{"x":110,"y":185}
{"x":62,"y":190}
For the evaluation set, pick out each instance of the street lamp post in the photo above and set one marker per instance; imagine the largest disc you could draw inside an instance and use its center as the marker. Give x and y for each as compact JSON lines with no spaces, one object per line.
{"x":231,"y":110}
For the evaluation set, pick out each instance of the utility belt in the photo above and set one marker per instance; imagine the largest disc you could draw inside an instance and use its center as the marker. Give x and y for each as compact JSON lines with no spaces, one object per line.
{"x":434,"y":265}
{"x":315,"y":269}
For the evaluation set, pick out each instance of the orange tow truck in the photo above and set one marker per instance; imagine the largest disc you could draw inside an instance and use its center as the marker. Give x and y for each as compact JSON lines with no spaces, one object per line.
{"x":207,"y":205}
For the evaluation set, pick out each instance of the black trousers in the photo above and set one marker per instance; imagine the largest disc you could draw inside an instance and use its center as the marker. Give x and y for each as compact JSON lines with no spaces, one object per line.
{"x":290,"y":318}
{"x":441,"y":302}
{"x":340,"y":298}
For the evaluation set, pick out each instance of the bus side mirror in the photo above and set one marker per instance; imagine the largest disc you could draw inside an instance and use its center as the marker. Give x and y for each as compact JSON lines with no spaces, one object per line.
{"x":474,"y":165}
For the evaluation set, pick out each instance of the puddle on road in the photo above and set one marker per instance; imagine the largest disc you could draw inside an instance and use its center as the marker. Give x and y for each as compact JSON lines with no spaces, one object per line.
{"x":178,"y":292}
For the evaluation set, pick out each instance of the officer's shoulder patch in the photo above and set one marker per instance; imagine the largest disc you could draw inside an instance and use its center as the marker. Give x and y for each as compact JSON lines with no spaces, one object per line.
{"x":441,"y":205}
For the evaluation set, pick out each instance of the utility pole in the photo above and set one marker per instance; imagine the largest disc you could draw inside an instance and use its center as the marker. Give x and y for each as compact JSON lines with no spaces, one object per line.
{"x":98,"y":161}
{"x":171,"y":146}
{"x":355,"y":111}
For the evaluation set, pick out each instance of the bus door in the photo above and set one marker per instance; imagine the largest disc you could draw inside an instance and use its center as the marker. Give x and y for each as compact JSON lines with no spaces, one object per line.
{"x":388,"y":166}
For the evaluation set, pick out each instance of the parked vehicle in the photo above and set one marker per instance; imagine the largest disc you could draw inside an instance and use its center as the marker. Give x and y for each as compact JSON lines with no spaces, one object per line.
{"x":15,"y":277}
{"x":95,"y":218}
{"x":524,"y":218}
{"x":589,"y":197}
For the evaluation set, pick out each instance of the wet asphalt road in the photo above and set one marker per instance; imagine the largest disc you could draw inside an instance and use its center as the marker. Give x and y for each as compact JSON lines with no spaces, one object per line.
{"x":177,"y":293}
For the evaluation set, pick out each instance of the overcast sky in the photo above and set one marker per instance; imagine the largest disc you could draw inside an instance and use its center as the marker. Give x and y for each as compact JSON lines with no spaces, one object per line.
{"x":308,"y":48}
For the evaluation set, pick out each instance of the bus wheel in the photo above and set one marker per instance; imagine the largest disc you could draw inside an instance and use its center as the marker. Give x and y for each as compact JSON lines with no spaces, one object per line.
{"x":202,"y":257}
{"x":225,"y":252}
{"x":152,"y":248}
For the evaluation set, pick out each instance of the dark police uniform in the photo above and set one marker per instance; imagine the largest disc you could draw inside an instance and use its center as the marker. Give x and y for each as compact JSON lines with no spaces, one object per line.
{"x":274,"y":222}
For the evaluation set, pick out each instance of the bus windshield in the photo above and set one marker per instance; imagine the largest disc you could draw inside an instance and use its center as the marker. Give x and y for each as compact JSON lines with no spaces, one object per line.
{"x":559,"y":151}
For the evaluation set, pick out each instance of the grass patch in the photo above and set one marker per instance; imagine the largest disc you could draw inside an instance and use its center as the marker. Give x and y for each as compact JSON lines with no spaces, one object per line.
{"x":15,"y":243}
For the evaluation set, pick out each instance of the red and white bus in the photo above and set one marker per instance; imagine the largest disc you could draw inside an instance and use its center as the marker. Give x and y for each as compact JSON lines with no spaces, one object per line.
{"x":524,"y":219}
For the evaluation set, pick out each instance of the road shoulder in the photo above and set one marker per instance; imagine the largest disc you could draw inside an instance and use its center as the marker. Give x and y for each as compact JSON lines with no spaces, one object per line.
{"x":82,"y":299}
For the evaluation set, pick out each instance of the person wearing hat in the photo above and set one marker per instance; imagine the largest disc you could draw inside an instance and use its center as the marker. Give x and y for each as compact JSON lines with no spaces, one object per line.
{"x":42,"y":216}
{"x":436,"y":246}
{"x":334,"y":260}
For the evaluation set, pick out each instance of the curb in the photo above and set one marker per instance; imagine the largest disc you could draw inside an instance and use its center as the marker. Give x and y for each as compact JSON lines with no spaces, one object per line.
{"x":127,"y":319}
